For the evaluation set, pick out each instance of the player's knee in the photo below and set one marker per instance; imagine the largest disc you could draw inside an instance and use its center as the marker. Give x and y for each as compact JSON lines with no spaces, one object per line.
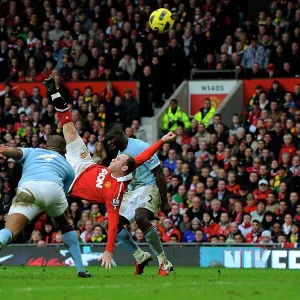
{"x":142,"y":222}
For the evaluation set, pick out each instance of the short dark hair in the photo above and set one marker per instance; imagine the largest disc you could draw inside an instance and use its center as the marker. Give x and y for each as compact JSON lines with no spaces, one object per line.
{"x":130,"y":163}
{"x":114,"y":128}
{"x":57,"y":143}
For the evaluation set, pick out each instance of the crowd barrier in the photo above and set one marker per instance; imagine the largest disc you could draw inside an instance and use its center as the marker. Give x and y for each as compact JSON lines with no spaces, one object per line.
{"x":187,"y":255}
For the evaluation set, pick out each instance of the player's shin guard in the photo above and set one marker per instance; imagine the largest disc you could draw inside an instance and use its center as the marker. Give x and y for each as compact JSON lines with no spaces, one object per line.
{"x":155,"y":245}
{"x":71,"y":241}
{"x":5,"y":237}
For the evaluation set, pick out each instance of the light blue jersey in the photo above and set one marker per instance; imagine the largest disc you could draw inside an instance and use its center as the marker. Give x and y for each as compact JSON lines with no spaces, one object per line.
{"x":46,"y":165}
{"x":143,"y":174}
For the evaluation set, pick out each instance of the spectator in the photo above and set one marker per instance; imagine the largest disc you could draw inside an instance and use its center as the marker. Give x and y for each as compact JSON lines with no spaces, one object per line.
{"x":36,"y":236}
{"x":258,"y":214}
{"x":99,"y":153}
{"x":56,"y":33}
{"x":168,"y":230}
{"x":98,"y":235}
{"x":266,"y":237}
{"x":173,"y":116}
{"x":255,"y":54}
{"x":138,"y":130}
{"x":210,"y":228}
{"x":87,"y":234}
{"x":255,"y":235}
{"x":245,"y":227}
{"x":205,"y":114}
{"x":190,"y":235}
{"x":196,"y":210}
{"x":170,"y":162}
{"x":128,"y":64}
{"x":175,"y":183}
{"x":131,"y":106}
{"x":118,"y":113}
{"x":175,"y":216}
{"x":180,"y":197}
{"x":233,"y":231}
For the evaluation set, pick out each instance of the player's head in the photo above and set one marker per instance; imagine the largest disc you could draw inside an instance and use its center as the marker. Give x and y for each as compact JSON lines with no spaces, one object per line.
{"x":56,"y":143}
{"x":115,"y":136}
{"x":122,"y":164}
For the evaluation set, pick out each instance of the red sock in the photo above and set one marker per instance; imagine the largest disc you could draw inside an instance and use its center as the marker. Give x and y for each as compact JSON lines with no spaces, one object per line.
{"x":64,"y":117}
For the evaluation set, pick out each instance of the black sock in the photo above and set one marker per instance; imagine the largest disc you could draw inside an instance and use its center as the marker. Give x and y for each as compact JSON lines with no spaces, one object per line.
{"x":59,"y":102}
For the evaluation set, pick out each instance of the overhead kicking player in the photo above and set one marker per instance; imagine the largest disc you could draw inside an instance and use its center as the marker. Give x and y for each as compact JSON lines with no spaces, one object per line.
{"x":93,"y":182}
{"x":146,"y":196}
{"x":45,"y":178}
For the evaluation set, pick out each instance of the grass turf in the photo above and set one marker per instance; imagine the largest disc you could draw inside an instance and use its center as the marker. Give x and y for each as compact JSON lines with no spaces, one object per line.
{"x":186,"y":283}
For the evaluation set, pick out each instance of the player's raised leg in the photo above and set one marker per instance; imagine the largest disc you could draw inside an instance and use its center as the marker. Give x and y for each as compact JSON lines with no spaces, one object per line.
{"x":77,"y":154}
{"x":63,"y":113}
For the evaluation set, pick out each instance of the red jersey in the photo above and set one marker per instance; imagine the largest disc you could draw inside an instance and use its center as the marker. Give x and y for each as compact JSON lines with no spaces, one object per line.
{"x":253,"y":238}
{"x":258,"y":195}
{"x":96,"y":184}
{"x":234,"y":189}
{"x":286,"y":149}
{"x":250,"y":209}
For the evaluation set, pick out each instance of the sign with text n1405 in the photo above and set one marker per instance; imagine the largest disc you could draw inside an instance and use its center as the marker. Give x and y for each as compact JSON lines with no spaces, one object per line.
{"x":215,"y":90}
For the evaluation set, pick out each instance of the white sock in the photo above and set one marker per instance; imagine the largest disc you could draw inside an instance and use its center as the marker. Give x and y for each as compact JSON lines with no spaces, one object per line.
{"x":138,"y":254}
{"x":162,"y":258}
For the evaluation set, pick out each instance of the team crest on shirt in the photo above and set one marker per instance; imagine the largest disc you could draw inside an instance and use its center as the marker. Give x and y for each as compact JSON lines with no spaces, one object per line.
{"x":83,"y":155}
{"x":115,"y":203}
{"x":107,"y":184}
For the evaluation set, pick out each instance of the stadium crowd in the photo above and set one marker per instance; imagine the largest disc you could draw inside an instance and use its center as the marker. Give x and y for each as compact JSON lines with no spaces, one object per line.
{"x":226,"y":184}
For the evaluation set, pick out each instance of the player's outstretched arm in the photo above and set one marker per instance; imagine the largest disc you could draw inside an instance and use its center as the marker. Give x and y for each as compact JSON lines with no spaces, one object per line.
{"x":10,"y":152}
{"x":70,"y":132}
{"x":147,"y":154}
{"x":162,"y":187}
{"x":107,"y":257}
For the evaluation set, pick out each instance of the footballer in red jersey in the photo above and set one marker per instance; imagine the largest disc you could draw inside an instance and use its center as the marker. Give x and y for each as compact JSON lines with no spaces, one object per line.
{"x":93,"y":182}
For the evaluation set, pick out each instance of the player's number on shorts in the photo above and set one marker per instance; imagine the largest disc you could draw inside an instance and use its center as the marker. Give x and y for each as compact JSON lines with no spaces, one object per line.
{"x":151,"y":199}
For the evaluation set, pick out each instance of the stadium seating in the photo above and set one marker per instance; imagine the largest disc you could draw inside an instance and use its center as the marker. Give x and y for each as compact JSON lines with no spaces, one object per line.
{"x":111,"y":68}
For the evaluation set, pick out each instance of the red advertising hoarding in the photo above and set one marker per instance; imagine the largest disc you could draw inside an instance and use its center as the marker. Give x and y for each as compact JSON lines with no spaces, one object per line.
{"x":97,"y":86}
{"x":249,"y":85}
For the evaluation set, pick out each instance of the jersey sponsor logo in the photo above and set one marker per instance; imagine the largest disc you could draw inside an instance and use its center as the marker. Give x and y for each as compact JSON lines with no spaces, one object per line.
{"x":100,"y":178}
{"x":151,"y":160}
{"x":115,"y":203}
{"x":48,"y":157}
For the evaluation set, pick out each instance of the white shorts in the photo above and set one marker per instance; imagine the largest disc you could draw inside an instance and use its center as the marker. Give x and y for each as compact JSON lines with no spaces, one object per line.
{"x":144,"y":197}
{"x":78,"y":156}
{"x":34,"y":197}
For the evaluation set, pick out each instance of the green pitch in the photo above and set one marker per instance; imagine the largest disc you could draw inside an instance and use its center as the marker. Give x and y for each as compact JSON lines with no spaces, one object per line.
{"x":119,"y":284}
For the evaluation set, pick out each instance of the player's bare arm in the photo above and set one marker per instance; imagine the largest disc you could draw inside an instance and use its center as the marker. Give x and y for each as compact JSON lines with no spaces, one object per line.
{"x":70,"y":133}
{"x":161,"y":179}
{"x":162,"y":186}
{"x":9,"y":152}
